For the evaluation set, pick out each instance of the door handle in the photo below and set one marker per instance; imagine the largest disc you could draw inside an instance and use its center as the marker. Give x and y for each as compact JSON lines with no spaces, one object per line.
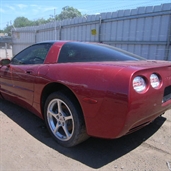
{"x":29,"y":72}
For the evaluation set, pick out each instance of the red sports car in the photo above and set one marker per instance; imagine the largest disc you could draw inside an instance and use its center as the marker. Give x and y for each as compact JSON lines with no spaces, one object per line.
{"x":86,"y":89}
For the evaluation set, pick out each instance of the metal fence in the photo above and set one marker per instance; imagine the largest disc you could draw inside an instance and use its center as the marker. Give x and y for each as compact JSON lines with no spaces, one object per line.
{"x":145,"y":31}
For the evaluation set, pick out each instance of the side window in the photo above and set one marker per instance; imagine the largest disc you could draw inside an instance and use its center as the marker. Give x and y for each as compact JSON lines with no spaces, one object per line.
{"x":69,"y":53}
{"x":85,"y":52}
{"x":35,"y":54}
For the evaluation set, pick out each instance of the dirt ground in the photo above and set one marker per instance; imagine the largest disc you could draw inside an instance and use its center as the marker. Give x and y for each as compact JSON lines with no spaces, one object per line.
{"x":25,"y":145}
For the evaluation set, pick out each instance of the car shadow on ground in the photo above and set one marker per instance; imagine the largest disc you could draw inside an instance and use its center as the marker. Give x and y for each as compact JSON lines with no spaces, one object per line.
{"x":94,"y":152}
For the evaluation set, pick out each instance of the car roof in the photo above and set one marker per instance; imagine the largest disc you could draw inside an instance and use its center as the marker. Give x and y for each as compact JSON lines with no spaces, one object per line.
{"x":53,"y":41}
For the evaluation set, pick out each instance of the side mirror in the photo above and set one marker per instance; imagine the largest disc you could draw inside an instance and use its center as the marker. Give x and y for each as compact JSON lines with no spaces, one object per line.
{"x":5,"y":62}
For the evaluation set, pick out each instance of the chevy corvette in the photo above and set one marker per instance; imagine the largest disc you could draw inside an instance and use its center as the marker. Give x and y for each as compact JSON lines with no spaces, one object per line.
{"x":86,"y":89}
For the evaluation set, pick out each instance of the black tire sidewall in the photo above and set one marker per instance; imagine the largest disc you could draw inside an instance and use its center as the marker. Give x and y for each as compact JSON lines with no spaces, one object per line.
{"x":76,"y":114}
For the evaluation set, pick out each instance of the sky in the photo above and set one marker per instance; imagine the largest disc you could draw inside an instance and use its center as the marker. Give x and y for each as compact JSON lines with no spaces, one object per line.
{"x":36,"y":9}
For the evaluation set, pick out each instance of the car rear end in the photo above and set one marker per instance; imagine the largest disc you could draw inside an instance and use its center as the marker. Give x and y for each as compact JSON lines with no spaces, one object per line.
{"x":127,"y":90}
{"x":136,"y":92}
{"x":149,"y":95}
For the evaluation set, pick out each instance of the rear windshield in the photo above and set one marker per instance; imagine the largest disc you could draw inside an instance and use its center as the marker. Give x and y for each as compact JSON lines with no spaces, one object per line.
{"x":86,"y":52}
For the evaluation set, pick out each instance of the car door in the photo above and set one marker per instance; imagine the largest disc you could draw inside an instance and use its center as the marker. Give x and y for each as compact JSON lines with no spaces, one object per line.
{"x":23,"y":78}
{"x":22,"y":73}
{"x":6,"y":84}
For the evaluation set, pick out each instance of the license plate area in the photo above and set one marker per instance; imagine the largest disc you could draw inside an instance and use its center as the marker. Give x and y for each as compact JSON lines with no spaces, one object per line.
{"x":167,"y":94}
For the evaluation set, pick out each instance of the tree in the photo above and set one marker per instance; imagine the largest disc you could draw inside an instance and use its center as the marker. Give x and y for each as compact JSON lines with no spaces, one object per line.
{"x":8,"y":29}
{"x":39,"y":22}
{"x":68,"y":12}
{"x":22,"y":22}
{"x":1,"y":31}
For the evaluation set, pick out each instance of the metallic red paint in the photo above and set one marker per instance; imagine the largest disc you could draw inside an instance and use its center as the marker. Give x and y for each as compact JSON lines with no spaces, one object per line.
{"x":111,"y":107}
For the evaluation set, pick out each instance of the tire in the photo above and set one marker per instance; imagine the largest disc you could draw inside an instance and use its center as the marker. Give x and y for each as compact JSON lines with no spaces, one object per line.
{"x":64,"y":119}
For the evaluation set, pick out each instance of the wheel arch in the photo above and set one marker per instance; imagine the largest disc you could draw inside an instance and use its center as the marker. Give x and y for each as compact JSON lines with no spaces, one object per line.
{"x":53,"y":87}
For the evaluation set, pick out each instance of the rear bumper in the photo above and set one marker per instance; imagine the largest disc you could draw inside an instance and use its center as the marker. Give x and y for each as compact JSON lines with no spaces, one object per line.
{"x":144,"y":119}
{"x":116,"y":119}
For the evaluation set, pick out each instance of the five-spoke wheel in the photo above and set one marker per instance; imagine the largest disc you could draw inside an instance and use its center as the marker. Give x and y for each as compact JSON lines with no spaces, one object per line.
{"x":60,"y":119}
{"x":64,"y":119}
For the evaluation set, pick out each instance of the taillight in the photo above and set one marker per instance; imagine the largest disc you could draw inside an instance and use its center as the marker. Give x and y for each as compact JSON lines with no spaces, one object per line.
{"x":155,"y":81}
{"x":139,"y":84}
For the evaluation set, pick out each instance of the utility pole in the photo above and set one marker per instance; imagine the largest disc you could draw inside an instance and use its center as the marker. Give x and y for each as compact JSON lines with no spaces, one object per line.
{"x":55,"y":21}
{"x":12,"y":25}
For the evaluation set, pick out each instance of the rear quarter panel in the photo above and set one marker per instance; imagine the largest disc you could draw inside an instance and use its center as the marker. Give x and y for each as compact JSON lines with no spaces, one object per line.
{"x":85,"y":81}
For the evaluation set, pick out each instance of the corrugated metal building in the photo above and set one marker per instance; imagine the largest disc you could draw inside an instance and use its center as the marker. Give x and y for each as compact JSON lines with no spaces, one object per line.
{"x":145,"y":31}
